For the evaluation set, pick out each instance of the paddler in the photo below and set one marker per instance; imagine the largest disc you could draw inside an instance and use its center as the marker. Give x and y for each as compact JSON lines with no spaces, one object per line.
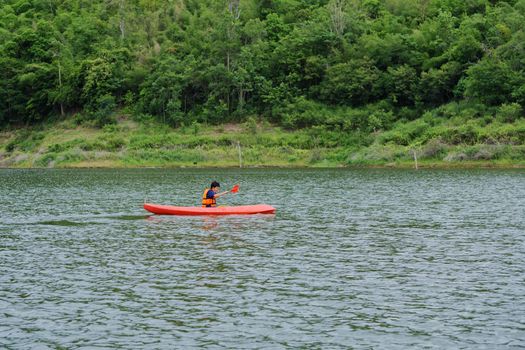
{"x":211,"y":194}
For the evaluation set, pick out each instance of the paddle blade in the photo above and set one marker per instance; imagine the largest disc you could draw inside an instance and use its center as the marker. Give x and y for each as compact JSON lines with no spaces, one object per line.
{"x":235,"y":189}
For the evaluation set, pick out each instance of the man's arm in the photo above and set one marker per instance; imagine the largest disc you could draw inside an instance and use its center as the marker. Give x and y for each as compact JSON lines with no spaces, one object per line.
{"x":217,"y":195}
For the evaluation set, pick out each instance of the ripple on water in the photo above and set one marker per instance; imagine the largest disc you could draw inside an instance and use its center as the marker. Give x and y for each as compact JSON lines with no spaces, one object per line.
{"x":353,"y":258}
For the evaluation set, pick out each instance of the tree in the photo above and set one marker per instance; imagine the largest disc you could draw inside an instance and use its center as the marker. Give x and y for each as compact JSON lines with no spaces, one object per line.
{"x":400,"y":84}
{"x":353,"y":83}
{"x":436,"y":86}
{"x":491,"y":81}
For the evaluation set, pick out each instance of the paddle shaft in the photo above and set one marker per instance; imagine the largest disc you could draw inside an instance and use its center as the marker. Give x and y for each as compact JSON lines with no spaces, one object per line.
{"x":234,"y":189}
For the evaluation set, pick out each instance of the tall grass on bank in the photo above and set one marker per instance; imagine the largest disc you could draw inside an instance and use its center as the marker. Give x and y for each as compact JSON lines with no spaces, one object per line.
{"x":453,"y":134}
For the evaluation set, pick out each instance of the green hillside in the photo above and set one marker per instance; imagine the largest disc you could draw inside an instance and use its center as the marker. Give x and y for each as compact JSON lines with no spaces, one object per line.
{"x":312,"y":82}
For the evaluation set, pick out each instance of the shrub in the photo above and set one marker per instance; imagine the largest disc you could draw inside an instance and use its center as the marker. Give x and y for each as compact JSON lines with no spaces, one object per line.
{"x":251,"y":125}
{"x":110,"y":128}
{"x":114,"y":143}
{"x":455,"y":157}
{"x":483,"y":154}
{"x":516,"y":153}
{"x":302,"y":113}
{"x":25,"y":140}
{"x":153,"y":141}
{"x":45,"y":160}
{"x":467,"y":133}
{"x":435,"y":148}
{"x":143,"y":118}
{"x":90,"y":145}
{"x":61,"y":147}
{"x":103,"y":111}
{"x":316,"y":156}
{"x":508,"y":113}
{"x":56,"y":148}
{"x":394,"y":136}
{"x":404,"y":134}
{"x":380,"y":120}
{"x":490,"y":80}
{"x":10,"y":146}
{"x":195,"y":127}
{"x":71,"y":156}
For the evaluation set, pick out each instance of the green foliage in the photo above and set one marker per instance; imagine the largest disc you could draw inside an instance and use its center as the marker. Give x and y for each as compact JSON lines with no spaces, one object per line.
{"x":25,"y":140}
{"x":437,"y":84}
{"x":458,"y":138}
{"x":352,"y":66}
{"x":491,"y":81}
{"x":251,"y":125}
{"x":353,"y":83}
{"x":303,"y":113}
{"x":401,"y":84}
{"x":404,"y":134}
{"x":102,"y":111}
{"x":508,"y":113}
{"x":45,"y":160}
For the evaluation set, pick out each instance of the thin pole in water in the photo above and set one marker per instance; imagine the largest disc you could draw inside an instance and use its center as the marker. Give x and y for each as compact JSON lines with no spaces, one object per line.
{"x":240,"y":153}
{"x":415,"y":157}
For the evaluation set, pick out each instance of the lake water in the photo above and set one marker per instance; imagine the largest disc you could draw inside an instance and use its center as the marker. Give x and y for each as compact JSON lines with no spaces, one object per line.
{"x":364,"y":259}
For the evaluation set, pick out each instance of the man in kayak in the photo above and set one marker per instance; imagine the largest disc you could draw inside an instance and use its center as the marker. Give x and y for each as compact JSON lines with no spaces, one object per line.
{"x":210,"y":195}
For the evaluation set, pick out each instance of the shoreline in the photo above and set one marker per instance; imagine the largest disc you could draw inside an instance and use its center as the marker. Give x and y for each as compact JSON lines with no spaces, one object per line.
{"x":133,"y":145}
{"x":400,"y":166}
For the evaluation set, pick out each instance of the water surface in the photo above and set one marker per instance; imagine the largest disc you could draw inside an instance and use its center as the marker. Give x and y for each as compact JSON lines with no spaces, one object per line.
{"x":359,"y":259}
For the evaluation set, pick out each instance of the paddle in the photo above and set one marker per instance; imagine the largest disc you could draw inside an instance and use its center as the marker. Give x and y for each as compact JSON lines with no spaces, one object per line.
{"x":234,"y":189}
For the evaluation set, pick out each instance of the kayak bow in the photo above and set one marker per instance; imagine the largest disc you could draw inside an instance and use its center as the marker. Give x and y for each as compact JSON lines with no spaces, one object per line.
{"x":236,"y":210}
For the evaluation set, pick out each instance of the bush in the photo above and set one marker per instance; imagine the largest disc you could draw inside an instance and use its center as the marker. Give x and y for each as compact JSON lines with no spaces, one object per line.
{"x":404,"y":134}
{"x":56,"y":148}
{"x":508,"y":113}
{"x":25,"y":140}
{"x":110,"y":128}
{"x":467,"y":134}
{"x":61,"y":147}
{"x":71,"y":156}
{"x":195,"y":127}
{"x":251,"y":125}
{"x":10,"y":146}
{"x":483,"y":154}
{"x":435,"y":148}
{"x":386,"y":153}
{"x":45,"y":160}
{"x":490,"y":80}
{"x":379,"y":120}
{"x":455,"y":157}
{"x":302,"y":113}
{"x":114,"y":144}
{"x":91,"y":146}
{"x":143,"y":118}
{"x":103,"y":112}
{"x":513,"y":134}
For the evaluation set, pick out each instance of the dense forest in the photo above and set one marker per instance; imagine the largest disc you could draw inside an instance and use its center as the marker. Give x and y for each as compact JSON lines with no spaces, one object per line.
{"x":340,"y":64}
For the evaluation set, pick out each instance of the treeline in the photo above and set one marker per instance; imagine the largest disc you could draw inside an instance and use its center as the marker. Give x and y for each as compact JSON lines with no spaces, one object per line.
{"x":347,"y":64}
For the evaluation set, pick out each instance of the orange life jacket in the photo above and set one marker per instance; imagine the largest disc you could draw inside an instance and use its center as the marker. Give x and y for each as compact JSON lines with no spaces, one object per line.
{"x":208,"y":202}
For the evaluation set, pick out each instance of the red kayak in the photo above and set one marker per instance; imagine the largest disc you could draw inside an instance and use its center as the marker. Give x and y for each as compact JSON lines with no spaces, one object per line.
{"x":237,"y":210}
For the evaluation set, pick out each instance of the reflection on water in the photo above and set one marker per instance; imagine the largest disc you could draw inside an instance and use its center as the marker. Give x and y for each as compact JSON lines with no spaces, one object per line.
{"x":210,"y":223}
{"x":352,"y":259}
{"x":221,"y":224}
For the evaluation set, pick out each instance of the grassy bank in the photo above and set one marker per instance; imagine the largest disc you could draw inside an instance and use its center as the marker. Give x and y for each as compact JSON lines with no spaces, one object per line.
{"x":149,"y":144}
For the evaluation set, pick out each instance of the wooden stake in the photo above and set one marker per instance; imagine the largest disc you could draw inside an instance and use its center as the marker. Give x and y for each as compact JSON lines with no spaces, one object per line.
{"x":240,"y":153}
{"x":415,"y":157}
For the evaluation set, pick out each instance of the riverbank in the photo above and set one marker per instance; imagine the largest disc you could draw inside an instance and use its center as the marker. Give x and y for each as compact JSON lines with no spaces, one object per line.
{"x":129,"y":144}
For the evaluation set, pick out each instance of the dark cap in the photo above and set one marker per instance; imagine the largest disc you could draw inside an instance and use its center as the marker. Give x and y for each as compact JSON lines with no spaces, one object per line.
{"x":215,"y":184}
